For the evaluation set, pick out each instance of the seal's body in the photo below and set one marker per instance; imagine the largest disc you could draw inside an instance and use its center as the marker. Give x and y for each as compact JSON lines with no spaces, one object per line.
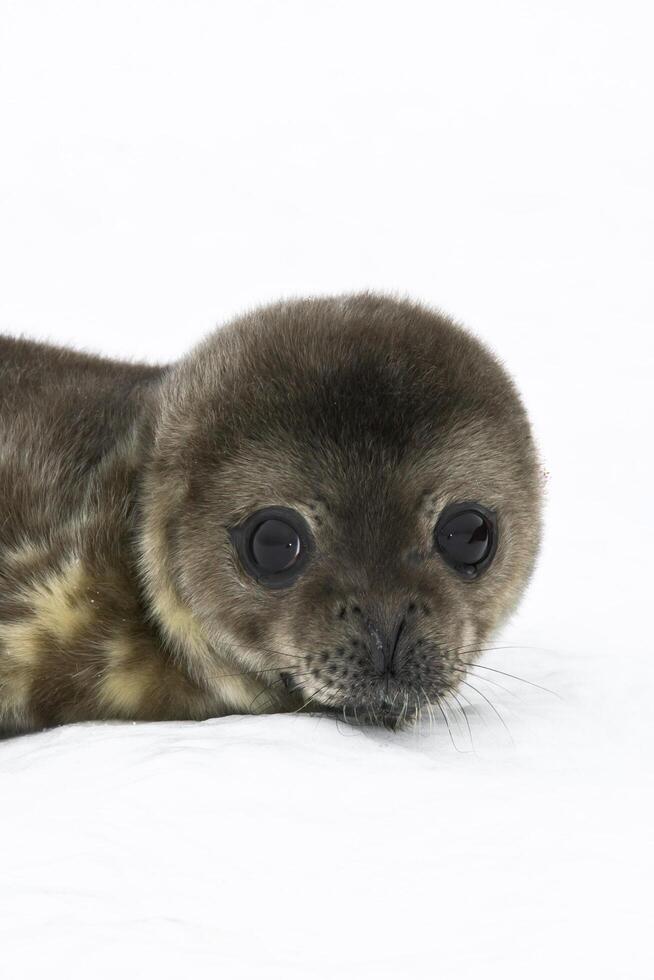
{"x":327,"y":505}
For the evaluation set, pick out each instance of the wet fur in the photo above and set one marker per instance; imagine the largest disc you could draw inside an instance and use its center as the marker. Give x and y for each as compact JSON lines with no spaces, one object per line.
{"x":120,"y":592}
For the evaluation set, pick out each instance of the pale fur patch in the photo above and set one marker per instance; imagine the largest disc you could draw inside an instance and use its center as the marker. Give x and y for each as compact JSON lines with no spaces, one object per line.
{"x":58,"y":607}
{"x":203,"y":659}
{"x":24,"y":554}
{"x":181,"y":627}
{"x":59,"y":602}
{"x":178,"y":623}
{"x":468,"y":637}
{"x":18,"y":664}
{"x":124,"y":685}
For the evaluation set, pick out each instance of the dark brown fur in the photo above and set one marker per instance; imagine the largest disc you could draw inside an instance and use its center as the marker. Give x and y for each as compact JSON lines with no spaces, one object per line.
{"x":121,"y":595}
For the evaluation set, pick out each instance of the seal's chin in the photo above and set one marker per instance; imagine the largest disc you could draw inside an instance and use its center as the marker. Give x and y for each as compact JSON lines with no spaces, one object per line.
{"x":390,"y":709}
{"x":374,"y":715}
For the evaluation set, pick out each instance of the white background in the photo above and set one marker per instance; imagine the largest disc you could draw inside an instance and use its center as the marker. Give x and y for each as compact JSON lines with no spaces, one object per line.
{"x":164,"y":165}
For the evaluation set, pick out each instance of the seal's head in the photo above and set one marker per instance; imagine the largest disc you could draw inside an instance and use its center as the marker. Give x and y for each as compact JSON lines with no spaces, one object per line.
{"x":343,"y":495}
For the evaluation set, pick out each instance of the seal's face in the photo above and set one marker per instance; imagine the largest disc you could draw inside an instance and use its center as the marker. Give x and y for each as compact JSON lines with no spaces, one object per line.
{"x":356,"y":502}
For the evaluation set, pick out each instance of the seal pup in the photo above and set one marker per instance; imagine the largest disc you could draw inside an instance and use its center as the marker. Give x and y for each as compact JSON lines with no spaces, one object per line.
{"x":326,"y":506}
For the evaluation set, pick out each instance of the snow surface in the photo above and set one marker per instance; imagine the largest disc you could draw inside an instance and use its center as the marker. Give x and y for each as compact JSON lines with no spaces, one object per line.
{"x":165,"y":165}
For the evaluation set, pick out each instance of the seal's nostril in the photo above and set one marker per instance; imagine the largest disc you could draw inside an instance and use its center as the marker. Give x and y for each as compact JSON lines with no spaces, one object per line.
{"x":287,"y":681}
{"x":384,"y":646}
{"x":396,"y":639}
{"x":377,"y":648}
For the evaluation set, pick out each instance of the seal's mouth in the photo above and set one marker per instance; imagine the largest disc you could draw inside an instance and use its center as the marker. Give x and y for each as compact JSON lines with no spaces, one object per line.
{"x":381,"y":715}
{"x":381,"y":711}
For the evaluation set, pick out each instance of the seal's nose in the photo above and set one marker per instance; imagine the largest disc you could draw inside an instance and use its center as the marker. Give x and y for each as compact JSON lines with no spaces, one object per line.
{"x":384,"y":644}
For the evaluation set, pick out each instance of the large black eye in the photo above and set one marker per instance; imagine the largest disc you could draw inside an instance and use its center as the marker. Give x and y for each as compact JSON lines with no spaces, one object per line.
{"x":273,"y":545}
{"x":466,"y":537}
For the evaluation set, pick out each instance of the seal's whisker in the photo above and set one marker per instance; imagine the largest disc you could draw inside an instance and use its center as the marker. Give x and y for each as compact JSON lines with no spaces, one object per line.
{"x":339,"y":724}
{"x":448,"y":710}
{"x":314,"y":695}
{"x":514,"y":677}
{"x":405,"y":708}
{"x":429,"y":709}
{"x":266,"y":690}
{"x":253,"y":673}
{"x":280,"y":653}
{"x":445,"y":719}
{"x":472,"y":706}
{"x":297,"y":687}
{"x":467,"y":720}
{"x":475,"y":648}
{"x":453,"y":711}
{"x":487,"y":680}
{"x":492,"y":706}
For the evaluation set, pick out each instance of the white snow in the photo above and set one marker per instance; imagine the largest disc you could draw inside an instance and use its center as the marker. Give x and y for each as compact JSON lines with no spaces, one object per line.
{"x":167,"y":164}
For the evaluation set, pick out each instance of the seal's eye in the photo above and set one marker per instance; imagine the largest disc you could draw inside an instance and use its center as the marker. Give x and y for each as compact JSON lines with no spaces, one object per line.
{"x":466,"y":537}
{"x":273,"y":545}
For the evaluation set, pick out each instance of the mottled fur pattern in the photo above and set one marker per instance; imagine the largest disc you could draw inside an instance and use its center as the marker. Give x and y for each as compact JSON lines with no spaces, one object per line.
{"x":121,"y":595}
